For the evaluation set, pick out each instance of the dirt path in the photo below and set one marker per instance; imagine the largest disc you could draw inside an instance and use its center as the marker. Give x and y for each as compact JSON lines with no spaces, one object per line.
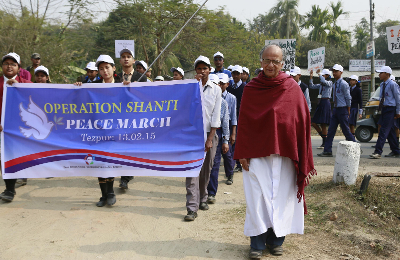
{"x":57,"y":219}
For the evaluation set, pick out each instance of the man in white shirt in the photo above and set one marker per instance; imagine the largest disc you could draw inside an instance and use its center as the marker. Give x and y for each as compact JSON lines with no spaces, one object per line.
{"x":196,"y":187}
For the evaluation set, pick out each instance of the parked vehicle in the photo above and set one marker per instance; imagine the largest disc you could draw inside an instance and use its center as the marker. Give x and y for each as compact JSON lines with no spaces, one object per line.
{"x":369,"y":125}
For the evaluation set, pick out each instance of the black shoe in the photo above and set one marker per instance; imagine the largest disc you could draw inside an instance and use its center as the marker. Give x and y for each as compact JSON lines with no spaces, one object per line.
{"x":111,"y":199}
{"x":255,"y":254}
{"x":123,"y":184}
{"x":204,"y":206}
{"x":102,"y":202}
{"x":237,"y":169}
{"x":276,"y":250}
{"x":22,"y":181}
{"x":211,"y":199}
{"x":191,"y":215}
{"x":325,"y":154}
{"x":322,"y":146}
{"x":373,"y":146}
{"x":229,"y":181}
{"x":392,"y":154}
{"x":7,"y":196}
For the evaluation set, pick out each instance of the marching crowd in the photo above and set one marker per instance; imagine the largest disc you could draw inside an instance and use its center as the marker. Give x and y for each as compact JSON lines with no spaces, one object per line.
{"x":269,"y":140}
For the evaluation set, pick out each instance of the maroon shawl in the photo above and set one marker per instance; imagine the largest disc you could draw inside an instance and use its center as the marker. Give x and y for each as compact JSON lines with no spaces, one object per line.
{"x":274,"y":119}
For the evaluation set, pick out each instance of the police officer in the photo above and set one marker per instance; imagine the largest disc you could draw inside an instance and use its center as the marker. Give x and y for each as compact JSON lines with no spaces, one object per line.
{"x":323,"y":112}
{"x":390,"y":106}
{"x":341,"y":110}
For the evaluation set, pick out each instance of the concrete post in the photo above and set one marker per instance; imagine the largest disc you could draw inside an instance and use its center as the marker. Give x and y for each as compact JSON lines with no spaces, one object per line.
{"x":346,"y":163}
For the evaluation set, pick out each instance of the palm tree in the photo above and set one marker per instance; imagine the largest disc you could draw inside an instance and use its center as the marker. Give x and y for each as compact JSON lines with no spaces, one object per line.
{"x":319,"y":21}
{"x":337,"y":11}
{"x":362,"y":36}
{"x":285,"y":18}
{"x":337,"y":36}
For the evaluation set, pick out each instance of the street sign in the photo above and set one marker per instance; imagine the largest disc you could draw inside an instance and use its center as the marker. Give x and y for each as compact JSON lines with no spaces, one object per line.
{"x":393,"y":37}
{"x":370,"y":49}
{"x":364,"y":65}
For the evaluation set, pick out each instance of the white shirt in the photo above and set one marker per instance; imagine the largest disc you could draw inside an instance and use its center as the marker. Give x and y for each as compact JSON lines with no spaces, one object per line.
{"x":211,"y":99}
{"x":6,"y":79}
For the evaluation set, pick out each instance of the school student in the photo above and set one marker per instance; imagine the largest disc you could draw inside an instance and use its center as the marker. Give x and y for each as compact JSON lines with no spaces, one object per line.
{"x":129,"y":74}
{"x":296,"y":74}
{"x":42,"y":75}
{"x":356,"y":103}
{"x":178,"y":73}
{"x":141,"y":67}
{"x":219,"y":66}
{"x":10,"y":67}
{"x":245,"y":75}
{"x":91,"y":73}
{"x":322,"y":115}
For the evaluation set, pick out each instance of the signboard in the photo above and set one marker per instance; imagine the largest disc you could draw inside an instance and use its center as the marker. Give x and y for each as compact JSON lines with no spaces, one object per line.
{"x":370,"y":49}
{"x":289,"y":48}
{"x":124,"y":44}
{"x":364,"y":65}
{"x":393,"y":37}
{"x":365,"y":78}
{"x":316,"y":59}
{"x":102,"y":130}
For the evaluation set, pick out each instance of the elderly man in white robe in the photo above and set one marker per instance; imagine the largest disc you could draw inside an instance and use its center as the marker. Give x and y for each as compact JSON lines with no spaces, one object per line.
{"x":274,"y":148}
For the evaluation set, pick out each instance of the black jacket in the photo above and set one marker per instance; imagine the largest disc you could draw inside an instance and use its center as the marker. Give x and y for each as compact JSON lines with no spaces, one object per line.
{"x":356,"y":98}
{"x":135,"y":76}
{"x":303,"y":86}
{"x":237,"y":92}
{"x":117,"y":79}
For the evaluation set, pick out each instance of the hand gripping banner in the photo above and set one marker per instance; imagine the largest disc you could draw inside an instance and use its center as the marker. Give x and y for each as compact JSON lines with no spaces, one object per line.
{"x":102,"y":130}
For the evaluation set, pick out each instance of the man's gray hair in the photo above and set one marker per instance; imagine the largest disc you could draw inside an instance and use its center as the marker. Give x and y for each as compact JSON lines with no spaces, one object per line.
{"x":272,"y":44}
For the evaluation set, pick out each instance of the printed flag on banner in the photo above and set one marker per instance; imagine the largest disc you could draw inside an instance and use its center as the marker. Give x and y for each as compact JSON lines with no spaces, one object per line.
{"x":102,"y":130}
{"x":316,"y":59}
{"x":393,"y":37}
{"x":289,"y":48}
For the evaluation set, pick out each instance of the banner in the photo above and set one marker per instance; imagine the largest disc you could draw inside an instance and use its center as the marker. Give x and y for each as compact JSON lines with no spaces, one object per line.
{"x":364,"y":65}
{"x":124,"y":44}
{"x":393,"y":37}
{"x":289,"y":48}
{"x":316,"y":59}
{"x":102,"y":130}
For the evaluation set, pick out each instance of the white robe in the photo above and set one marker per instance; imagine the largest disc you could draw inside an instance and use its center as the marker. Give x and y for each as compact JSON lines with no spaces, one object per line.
{"x":271,"y":196}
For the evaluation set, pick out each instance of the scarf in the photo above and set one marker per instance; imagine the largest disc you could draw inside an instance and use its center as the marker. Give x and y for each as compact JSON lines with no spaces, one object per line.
{"x":274,"y":119}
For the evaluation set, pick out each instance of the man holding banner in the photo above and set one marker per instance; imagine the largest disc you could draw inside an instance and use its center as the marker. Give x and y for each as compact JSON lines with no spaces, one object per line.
{"x":196,"y":187}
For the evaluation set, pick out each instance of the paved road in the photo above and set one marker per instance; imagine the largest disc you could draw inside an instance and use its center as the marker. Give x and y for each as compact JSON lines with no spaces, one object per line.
{"x":366,"y":151}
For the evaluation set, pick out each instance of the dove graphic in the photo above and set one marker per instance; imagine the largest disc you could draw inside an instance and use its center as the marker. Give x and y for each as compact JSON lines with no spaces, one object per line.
{"x":36,"y":119}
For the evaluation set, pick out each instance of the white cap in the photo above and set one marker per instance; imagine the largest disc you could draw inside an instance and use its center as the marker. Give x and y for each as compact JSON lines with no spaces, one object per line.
{"x":246,"y":70}
{"x":142,"y":63}
{"x":237,"y":68}
{"x":337,"y":67}
{"x":14,"y":56}
{"x":204,"y":59}
{"x":287,"y":72}
{"x":43,"y":69}
{"x":212,"y":69}
{"x":126,"y":50}
{"x":91,"y":66}
{"x":218,"y":54}
{"x":295,"y":71}
{"x":161,"y":78}
{"x":213,"y":78}
{"x":326,"y":72}
{"x":230,"y":67}
{"x":386,"y":69}
{"x":224,"y":78}
{"x":178,"y":70}
{"x":104,"y":58}
{"x":392,"y":77}
{"x":355,"y":77}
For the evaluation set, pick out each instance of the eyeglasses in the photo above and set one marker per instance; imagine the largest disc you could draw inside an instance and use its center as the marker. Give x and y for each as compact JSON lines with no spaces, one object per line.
{"x":218,"y":58}
{"x":10,"y":64}
{"x":268,"y":61}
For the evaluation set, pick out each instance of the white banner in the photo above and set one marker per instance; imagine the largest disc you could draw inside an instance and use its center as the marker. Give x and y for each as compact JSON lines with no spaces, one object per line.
{"x":316,"y":59}
{"x":393,"y":37}
{"x":289,"y":48}
{"x":124,"y":44}
{"x":364,"y":65}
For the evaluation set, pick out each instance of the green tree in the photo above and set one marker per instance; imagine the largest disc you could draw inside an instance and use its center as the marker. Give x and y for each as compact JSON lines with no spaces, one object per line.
{"x":318,"y":20}
{"x":362,"y":37}
{"x":285,"y":18}
{"x":336,"y":35}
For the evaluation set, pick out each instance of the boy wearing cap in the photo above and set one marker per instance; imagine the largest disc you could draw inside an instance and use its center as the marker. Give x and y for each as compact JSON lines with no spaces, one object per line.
{"x":245,"y":75}
{"x":322,"y":113}
{"x":41,"y":75}
{"x":356,"y":103}
{"x":10,"y":67}
{"x":128,"y":73}
{"x":296,"y":74}
{"x":236,"y":89}
{"x":341,"y":110}
{"x":228,"y":125}
{"x":390,"y":106}
{"x":219,"y":66}
{"x":196,"y":187}
{"x":91,"y":73}
{"x":178,"y":73}
{"x":159,"y":78}
{"x":141,"y":67}
{"x":35,"y":58}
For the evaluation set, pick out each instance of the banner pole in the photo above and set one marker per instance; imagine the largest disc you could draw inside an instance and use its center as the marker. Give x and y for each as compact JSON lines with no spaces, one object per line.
{"x":176,"y":35}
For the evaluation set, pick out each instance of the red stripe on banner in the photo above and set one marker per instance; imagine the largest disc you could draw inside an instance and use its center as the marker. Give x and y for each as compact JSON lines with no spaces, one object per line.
{"x":35,"y":156}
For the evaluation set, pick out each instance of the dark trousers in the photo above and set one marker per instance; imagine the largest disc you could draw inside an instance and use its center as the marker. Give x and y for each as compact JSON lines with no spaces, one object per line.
{"x":229,"y":163}
{"x":268,"y":238}
{"x":388,"y":131}
{"x":126,"y":178}
{"x":10,"y":184}
{"x":340,"y":115}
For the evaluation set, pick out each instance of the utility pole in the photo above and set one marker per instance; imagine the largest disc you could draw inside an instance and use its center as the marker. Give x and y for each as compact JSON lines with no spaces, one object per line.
{"x":371,"y":19}
{"x":288,"y":20}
